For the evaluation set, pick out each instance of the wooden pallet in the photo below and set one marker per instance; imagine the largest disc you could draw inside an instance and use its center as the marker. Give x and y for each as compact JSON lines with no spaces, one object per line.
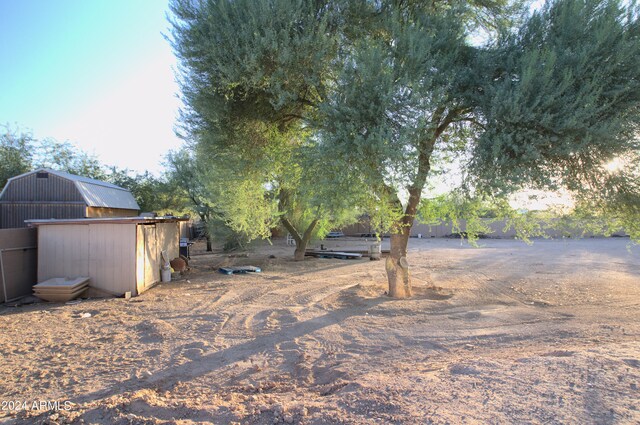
{"x":335,"y":254}
{"x":310,"y":252}
{"x":239,"y":270}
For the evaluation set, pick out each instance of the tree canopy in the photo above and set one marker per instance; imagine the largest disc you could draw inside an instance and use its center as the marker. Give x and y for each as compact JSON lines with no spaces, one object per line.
{"x":380,"y":92}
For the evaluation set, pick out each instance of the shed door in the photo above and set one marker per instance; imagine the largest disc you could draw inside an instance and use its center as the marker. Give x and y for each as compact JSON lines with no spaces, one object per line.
{"x":151,"y":255}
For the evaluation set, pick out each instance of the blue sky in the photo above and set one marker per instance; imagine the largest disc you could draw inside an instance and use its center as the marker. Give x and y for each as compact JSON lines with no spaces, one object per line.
{"x":97,"y":73}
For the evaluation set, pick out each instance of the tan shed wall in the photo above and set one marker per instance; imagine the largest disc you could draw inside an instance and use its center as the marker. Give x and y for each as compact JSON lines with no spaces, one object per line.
{"x":152,"y":262}
{"x":104,"y":252}
{"x":152,"y":239}
{"x":112,"y":257}
{"x":169,"y":238}
{"x":63,"y":251}
{"x":185,"y":229}
{"x":96,"y":212}
{"x":140,"y":260}
{"x":118,"y":257}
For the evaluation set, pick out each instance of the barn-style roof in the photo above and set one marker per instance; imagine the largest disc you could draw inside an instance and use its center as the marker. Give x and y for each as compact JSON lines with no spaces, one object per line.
{"x":96,"y":193}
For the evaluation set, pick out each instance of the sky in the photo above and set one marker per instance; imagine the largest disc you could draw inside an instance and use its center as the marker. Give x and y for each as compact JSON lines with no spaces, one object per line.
{"x":96,"y":73}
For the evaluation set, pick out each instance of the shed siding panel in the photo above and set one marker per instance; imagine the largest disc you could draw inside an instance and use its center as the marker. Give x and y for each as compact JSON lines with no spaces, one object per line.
{"x":140,"y":259}
{"x":63,"y":251}
{"x":118,"y":256}
{"x":151,"y":256}
{"x":13,"y":238}
{"x":112,"y":257}
{"x":169,"y":239}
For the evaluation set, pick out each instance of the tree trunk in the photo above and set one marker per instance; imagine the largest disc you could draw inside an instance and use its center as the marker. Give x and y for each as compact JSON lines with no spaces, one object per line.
{"x":209,"y":247}
{"x":301,"y":240}
{"x":396,"y":264}
{"x":398,"y":268}
{"x":298,"y":254}
{"x":205,"y":221}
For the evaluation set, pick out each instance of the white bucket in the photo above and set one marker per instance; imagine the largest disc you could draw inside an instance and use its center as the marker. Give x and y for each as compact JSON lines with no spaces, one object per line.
{"x":165,"y":275}
{"x":375,"y":252}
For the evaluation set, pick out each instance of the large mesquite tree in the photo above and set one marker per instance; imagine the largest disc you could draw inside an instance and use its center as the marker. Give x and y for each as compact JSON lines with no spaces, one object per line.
{"x":383,"y":87}
{"x":253,"y":75}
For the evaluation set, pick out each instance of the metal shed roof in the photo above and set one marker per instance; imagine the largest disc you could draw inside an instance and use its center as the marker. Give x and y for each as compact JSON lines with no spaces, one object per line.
{"x":106,"y":220}
{"x":96,"y":193}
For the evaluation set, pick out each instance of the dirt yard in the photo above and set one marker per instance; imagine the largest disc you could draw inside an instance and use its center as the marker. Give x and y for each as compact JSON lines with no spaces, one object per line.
{"x":503,"y":334}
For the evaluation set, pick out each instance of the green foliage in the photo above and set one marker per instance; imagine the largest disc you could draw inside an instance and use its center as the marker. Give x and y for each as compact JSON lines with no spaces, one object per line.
{"x":187,"y":181}
{"x":252,"y":74}
{"x":381,"y":118}
{"x":477,"y":214}
{"x":615,"y":204}
{"x":250,"y":61}
{"x":20,"y":153}
{"x":63,"y":156}
{"x":152,"y":194}
{"x":234,"y":208}
{"x":15,"y":154}
{"x":564,"y":97}
{"x":309,"y":109}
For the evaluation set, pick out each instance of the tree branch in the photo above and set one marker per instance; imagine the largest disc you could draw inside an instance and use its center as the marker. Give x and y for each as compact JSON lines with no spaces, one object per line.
{"x":291,"y":229}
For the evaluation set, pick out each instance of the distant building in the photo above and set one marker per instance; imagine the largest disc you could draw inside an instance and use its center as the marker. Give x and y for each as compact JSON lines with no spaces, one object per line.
{"x":46,"y":194}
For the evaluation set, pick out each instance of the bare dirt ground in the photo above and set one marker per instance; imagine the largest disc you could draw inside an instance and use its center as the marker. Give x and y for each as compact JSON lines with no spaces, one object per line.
{"x":507,"y":333}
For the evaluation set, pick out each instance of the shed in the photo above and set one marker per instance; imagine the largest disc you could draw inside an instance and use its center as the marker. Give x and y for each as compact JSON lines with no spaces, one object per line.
{"x":118,"y":254}
{"x":46,"y":194}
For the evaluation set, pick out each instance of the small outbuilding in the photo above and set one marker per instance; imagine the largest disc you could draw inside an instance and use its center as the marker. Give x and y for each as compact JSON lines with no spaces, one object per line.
{"x":46,"y":194}
{"x":119,"y":255}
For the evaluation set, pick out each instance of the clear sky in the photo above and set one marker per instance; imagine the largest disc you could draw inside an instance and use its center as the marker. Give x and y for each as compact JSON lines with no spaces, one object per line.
{"x":97,"y":73}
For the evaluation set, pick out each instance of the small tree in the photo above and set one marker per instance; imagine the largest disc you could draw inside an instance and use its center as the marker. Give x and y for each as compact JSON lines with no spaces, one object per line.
{"x":150,"y":192}
{"x":15,"y":154}
{"x":187,"y":176}
{"x":20,"y":153}
{"x":63,"y":156}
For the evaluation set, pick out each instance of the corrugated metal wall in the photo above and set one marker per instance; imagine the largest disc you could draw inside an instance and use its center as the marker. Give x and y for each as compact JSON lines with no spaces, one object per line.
{"x":31,"y":188}
{"x":31,"y":197}
{"x":13,"y":215}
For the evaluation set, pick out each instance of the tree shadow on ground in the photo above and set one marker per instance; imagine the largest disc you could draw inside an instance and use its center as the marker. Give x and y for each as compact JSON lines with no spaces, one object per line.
{"x":209,"y":363}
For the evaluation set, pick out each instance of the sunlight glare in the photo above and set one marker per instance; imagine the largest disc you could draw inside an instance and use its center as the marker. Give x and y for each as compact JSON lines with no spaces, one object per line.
{"x":614,"y":165}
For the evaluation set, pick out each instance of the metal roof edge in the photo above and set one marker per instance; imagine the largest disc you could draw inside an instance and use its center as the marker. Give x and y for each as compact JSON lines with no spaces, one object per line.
{"x":78,"y":185}
{"x":105,"y":220}
{"x":70,"y":177}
